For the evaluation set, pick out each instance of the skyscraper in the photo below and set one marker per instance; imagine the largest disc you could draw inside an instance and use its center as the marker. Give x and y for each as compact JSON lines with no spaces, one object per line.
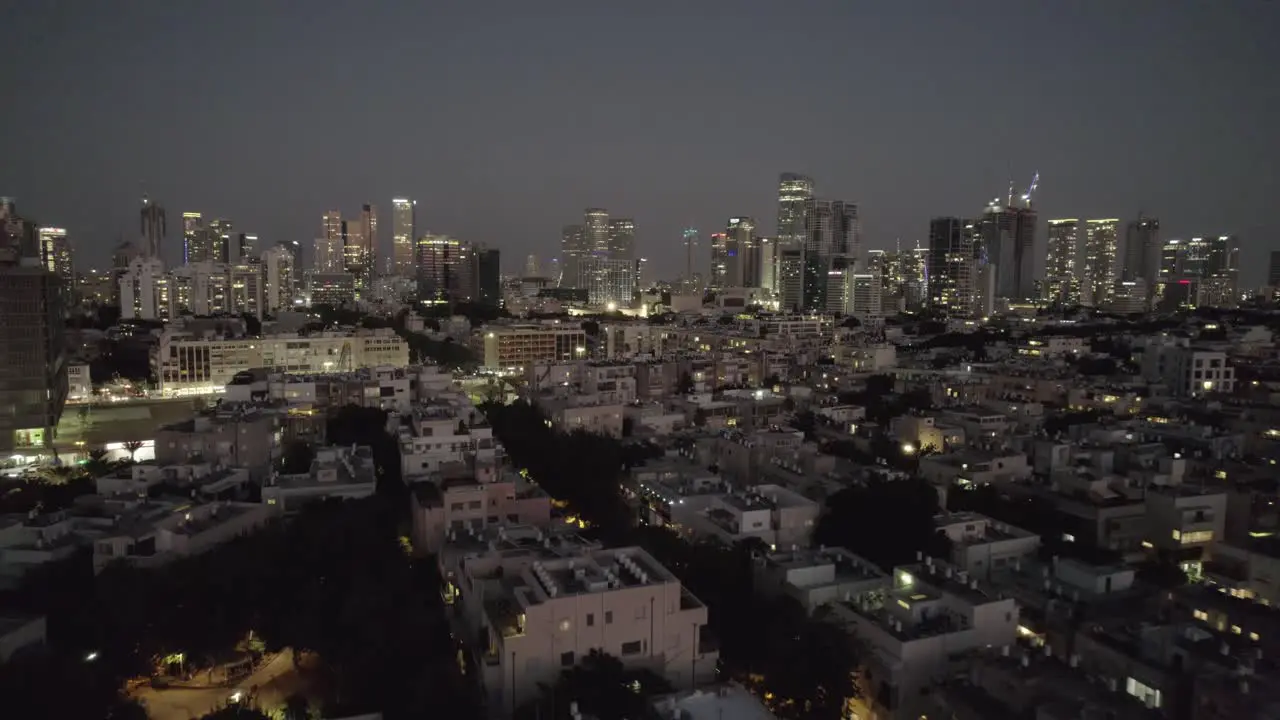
{"x":610,"y":283}
{"x":33,"y":353}
{"x":489,"y":277}
{"x":622,"y":239}
{"x":1273,"y":269}
{"x":690,"y":240}
{"x":768,"y":250}
{"x":532,"y":268}
{"x":1142,"y":250}
{"x":403,"y":222}
{"x":1061,"y":284}
{"x":328,"y":256}
{"x":573,"y":248}
{"x":279,"y":278}
{"x":1098,"y":270}
{"x":1221,"y":281}
{"x":220,"y":241}
{"x":742,"y":261}
{"x":952,"y":266}
{"x":153,"y":228}
{"x":1007,"y":242}
{"x":446,"y":270}
{"x":195,"y":239}
{"x":596,"y":223}
{"x":55,"y":253}
{"x":831,"y":231}
{"x":719,"y":278}
{"x":794,"y":191}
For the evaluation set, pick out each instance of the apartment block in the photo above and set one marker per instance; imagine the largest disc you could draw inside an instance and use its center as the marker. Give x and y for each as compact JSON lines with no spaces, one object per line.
{"x":230,"y":435}
{"x":336,"y":472}
{"x":540,"y":603}
{"x":982,"y":546}
{"x":817,"y":576}
{"x":164,"y":532}
{"x":518,"y":346}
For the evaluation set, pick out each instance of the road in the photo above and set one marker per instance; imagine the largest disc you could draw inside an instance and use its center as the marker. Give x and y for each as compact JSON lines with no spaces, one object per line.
{"x":275,"y":681}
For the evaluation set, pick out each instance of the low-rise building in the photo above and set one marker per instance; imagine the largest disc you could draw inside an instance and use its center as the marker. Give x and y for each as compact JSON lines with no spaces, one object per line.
{"x":336,"y":472}
{"x":533,"y":605}
{"x":163,"y":532}
{"x":468,"y":497}
{"x":230,"y":436}
{"x":981,"y":545}
{"x":817,"y":576}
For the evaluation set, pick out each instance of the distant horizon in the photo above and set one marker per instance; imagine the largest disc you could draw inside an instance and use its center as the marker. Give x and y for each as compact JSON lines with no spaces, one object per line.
{"x":503,"y":132}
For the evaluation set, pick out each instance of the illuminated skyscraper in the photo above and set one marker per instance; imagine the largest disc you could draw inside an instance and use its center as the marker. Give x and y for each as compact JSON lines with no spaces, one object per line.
{"x":596,"y":223}
{"x":622,"y":239}
{"x":220,"y":241}
{"x":719,"y":278}
{"x":447,"y":270}
{"x":690,"y":239}
{"x":1006,"y":241}
{"x":55,"y":253}
{"x":831,"y":231}
{"x":794,"y":191}
{"x":153,"y":228}
{"x":952,"y":266}
{"x":573,"y":248}
{"x":279,"y":278}
{"x":742,"y":253}
{"x":1098,"y":270}
{"x":1142,"y":249}
{"x":403,"y":222}
{"x":1221,"y":280}
{"x":195,"y":238}
{"x":1061,"y":282}
{"x":768,"y":263}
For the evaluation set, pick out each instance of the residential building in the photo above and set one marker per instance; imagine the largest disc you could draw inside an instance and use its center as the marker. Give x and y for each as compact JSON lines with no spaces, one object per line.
{"x":475,"y":497}
{"x":502,"y":347}
{"x":232,"y":436}
{"x":1142,"y":250}
{"x":55,"y":251}
{"x":330,"y":288}
{"x":403,"y":227}
{"x":329,"y":245}
{"x":817,"y":576}
{"x":336,"y":472}
{"x":545,"y":607}
{"x":280,"y":274}
{"x":167,"y":532}
{"x":1061,"y":279}
{"x":187,"y":364}
{"x":951,"y":266}
{"x":982,"y":546}
{"x":1098,"y":269}
{"x":153,"y":228}
{"x":1006,"y":241}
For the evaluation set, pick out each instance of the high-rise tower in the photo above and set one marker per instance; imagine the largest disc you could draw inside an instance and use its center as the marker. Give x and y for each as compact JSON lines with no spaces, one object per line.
{"x":328,"y":257}
{"x":1006,"y":244}
{"x":596,"y":223}
{"x":1142,"y":250}
{"x":573,"y":249}
{"x":952,"y":265}
{"x":622,"y":239}
{"x":1061,"y":282}
{"x":403,"y":222}
{"x":1098,"y":269}
{"x":153,"y":228}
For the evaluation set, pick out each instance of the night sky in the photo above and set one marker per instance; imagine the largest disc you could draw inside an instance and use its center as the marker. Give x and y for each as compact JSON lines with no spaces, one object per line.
{"x":505,"y":119}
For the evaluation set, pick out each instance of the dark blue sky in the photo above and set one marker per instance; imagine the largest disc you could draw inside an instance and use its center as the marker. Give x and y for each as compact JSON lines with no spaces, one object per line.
{"x":505,"y":119}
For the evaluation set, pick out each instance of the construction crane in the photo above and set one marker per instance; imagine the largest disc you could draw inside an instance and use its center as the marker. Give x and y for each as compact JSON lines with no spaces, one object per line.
{"x":1026,"y":196}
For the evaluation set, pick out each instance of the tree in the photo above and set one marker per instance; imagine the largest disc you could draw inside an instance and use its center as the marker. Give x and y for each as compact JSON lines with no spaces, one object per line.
{"x":886,"y":522}
{"x":602,"y":688}
{"x":296,"y":458}
{"x":685,"y":386}
{"x":133,"y":446}
{"x":236,"y":711}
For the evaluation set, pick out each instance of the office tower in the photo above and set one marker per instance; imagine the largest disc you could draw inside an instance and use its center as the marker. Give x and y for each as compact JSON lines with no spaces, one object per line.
{"x":951,"y":265}
{"x":194,"y":239}
{"x":690,"y":240}
{"x":610,"y":283}
{"x":330,"y":288}
{"x":790,"y":279}
{"x":278,"y":273}
{"x":219,"y":242}
{"x":1273,"y":269}
{"x":641,"y":272}
{"x":489,"y":277}
{"x":1061,"y":283}
{"x":1006,"y":241}
{"x":742,"y":251}
{"x":531,"y":266}
{"x":866,"y":294}
{"x":794,"y":191}
{"x":153,"y":228}
{"x":245,"y":244}
{"x":1142,"y":249}
{"x":328,"y":252}
{"x":244,"y":290}
{"x":573,"y":248}
{"x":55,"y":254}
{"x":446,"y":270}
{"x":719,"y":278}
{"x":831,"y":231}
{"x":1220,"y":283}
{"x":33,"y":353}
{"x":360,"y":248}
{"x":1098,"y":269}
{"x":622,"y":239}
{"x":915,"y":277}
{"x":403,"y":229}
{"x":768,"y":263}
{"x":839,"y":287}
{"x":595,"y":221}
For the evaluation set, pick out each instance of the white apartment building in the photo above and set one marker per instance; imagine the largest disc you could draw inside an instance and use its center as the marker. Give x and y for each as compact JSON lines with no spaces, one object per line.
{"x":164,"y":532}
{"x":145,"y":291}
{"x":1188,"y":370}
{"x":541,"y":603}
{"x":189,"y":364}
{"x":471,"y":498}
{"x":280,"y":279}
{"x":932,"y":613}
{"x":336,"y":472}
{"x":583,"y":412}
{"x":515,"y":347}
{"x":447,"y":430}
{"x":79,"y":382}
{"x":772,"y":514}
{"x":1053,"y":346}
{"x":817,"y":576}
{"x":981,"y":545}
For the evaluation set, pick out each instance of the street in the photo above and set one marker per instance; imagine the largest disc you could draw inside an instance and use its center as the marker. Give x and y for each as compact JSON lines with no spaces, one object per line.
{"x":275,"y":681}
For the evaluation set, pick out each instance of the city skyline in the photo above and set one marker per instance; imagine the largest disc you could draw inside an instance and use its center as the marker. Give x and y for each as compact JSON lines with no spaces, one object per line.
{"x":667,"y":175}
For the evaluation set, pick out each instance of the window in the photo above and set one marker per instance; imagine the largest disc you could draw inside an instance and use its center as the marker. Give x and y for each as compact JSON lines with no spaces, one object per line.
{"x":591,"y":620}
{"x":566,"y":659}
{"x":608,"y":617}
{"x":631,"y":648}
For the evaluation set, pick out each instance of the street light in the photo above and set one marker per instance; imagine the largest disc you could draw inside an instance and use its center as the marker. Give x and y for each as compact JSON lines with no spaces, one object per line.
{"x":908,"y":448}
{"x":91,"y":656}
